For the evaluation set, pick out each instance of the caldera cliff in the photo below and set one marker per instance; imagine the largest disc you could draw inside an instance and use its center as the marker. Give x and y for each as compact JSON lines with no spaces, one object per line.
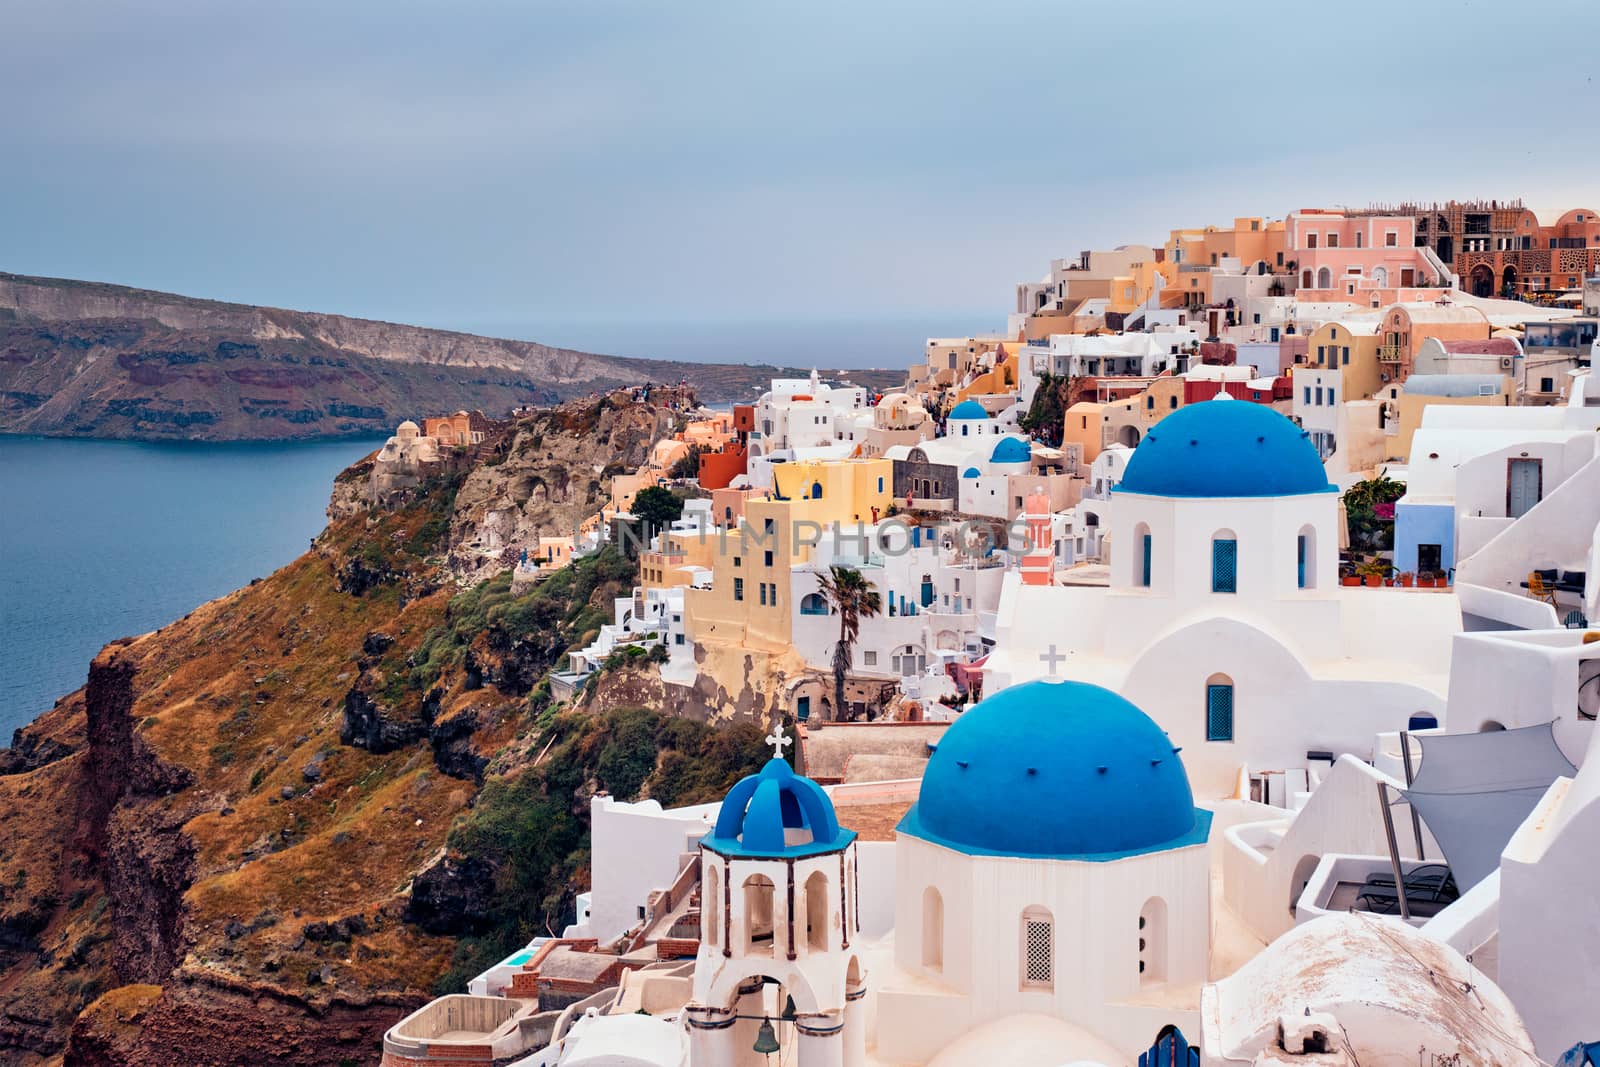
{"x":264,"y":832}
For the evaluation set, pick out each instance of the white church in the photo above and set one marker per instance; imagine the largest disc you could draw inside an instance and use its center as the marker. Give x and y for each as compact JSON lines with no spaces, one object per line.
{"x":1054,"y":866}
{"x":1223,"y":617}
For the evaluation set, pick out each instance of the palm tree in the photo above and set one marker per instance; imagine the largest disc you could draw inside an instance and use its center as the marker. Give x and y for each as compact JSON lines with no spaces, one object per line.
{"x":854,"y":599}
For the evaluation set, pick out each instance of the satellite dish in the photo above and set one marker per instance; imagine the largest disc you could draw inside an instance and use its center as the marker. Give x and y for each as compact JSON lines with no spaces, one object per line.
{"x":1589,"y":689}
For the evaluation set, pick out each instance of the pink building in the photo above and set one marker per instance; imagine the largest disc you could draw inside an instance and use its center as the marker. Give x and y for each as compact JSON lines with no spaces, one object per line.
{"x":1369,"y":259}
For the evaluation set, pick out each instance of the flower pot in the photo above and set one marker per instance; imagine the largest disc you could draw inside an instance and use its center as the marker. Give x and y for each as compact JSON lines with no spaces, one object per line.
{"x":1405,"y":581}
{"x":1351,"y":579}
{"x":1374,"y":580}
{"x":1425,"y":583}
{"x":1388,"y":583}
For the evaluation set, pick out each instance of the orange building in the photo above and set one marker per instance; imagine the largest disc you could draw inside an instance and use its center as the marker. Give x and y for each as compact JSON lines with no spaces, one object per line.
{"x":462,"y":428}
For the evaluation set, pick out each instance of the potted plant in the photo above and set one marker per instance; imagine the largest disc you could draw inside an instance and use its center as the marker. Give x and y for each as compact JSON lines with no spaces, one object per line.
{"x":1406,"y":578}
{"x":1425,"y":580}
{"x":1373,"y":570}
{"x":1350,"y":579}
{"x":1442,"y":579}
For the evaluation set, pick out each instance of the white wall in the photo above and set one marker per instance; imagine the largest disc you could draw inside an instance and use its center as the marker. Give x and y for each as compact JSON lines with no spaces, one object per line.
{"x":636,"y":849}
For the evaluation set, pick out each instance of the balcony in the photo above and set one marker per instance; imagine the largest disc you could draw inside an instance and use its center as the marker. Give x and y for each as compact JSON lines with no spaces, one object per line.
{"x":1391,"y":353}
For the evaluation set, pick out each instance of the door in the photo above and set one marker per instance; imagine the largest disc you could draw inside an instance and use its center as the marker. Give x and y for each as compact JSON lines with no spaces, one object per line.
{"x":1428,"y":557}
{"x":1408,"y":277}
{"x":1524,"y":485}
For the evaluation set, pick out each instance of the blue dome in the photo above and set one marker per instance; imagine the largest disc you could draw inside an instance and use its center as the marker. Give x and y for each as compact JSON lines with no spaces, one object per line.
{"x":972,"y":472}
{"x":776,"y":813}
{"x":1064,"y":770}
{"x":1011,"y":450}
{"x":968,"y":409}
{"x":1222,"y":448}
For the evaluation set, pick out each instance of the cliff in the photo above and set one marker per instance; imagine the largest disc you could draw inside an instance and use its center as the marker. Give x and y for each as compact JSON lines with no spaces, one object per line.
{"x":88,"y":359}
{"x":267,"y":830}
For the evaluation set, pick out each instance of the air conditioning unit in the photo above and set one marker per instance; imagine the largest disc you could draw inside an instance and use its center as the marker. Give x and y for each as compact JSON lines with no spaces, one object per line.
{"x":1505,"y":362}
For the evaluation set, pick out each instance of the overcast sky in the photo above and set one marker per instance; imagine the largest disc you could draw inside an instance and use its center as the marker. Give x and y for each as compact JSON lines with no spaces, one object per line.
{"x":517,"y":167}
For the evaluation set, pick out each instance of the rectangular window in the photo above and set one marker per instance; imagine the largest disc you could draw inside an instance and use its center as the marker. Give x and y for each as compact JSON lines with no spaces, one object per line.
{"x":1322,"y":354}
{"x":738,"y":561}
{"x":1308,"y":395}
{"x":1301,"y":552}
{"x":1219,"y":712}
{"x":1145,"y":573}
{"x":1333,"y":240}
{"x":880,"y":485}
{"x":768,"y":559}
{"x":1346,"y":355}
{"x":1391,"y":239}
{"x":870,"y":658}
{"x":761,"y":589}
{"x":679,"y":639}
{"x":1224,"y":566}
{"x":1036,"y":969}
{"x":738,"y":589}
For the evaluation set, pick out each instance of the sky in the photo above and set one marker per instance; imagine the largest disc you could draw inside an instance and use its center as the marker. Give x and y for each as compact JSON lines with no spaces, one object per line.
{"x":739,"y":179}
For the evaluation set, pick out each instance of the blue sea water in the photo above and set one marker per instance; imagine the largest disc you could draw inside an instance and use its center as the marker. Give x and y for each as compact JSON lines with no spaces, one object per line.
{"x":104,"y":539}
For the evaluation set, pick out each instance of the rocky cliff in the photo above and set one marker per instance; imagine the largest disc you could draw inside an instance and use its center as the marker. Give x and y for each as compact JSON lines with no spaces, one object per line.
{"x":264,"y":832}
{"x":94,"y":360}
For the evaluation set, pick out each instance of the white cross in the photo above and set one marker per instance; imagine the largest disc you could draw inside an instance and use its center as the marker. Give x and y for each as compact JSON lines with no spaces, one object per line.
{"x":1052,"y":659}
{"x":778,"y":741}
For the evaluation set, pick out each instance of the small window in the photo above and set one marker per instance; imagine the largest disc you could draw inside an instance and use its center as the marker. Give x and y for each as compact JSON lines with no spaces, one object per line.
{"x":762,"y":589}
{"x":1224,"y":565}
{"x":1038,"y":962}
{"x":738,"y":561}
{"x":1144,"y":573}
{"x":1219,"y":711}
{"x":738,"y":589}
{"x":768,"y":557}
{"x":1391,"y":239}
{"x":880,"y":485}
{"x":870,"y":658}
{"x":1346,"y":355}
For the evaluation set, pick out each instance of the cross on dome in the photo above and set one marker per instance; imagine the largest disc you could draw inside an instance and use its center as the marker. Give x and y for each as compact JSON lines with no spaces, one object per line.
{"x":778,"y":741}
{"x":1052,"y":659}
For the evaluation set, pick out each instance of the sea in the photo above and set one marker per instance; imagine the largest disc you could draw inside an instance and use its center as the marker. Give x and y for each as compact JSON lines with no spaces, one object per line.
{"x":105,"y":539}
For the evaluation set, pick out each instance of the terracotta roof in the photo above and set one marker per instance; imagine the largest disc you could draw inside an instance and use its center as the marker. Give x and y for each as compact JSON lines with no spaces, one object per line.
{"x":1495,"y":346}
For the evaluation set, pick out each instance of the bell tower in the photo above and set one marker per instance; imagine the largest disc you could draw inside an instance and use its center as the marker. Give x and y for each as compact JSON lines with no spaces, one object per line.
{"x":776,"y":970}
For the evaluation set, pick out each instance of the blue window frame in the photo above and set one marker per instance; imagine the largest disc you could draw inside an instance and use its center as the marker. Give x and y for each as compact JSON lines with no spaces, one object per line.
{"x":880,"y":485}
{"x":1224,"y":566}
{"x":738,"y":589}
{"x":1219,"y":712}
{"x":815,"y":604}
{"x":763,"y":593}
{"x":802,"y":709}
{"x":1145,"y":573}
{"x":1301,"y":560}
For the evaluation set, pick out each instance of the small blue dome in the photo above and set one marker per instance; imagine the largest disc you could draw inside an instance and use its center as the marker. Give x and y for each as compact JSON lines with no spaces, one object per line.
{"x":968,"y":409}
{"x":1063,"y":770}
{"x":1223,"y":448}
{"x":776,"y":813}
{"x":1011,"y":450}
{"x":972,"y":472}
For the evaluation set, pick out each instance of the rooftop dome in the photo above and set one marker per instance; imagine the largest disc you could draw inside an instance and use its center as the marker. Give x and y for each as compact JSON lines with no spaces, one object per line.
{"x":972,"y":472}
{"x":776,"y":813}
{"x":1225,"y":448}
{"x":1011,"y":450}
{"x":968,"y":409}
{"x":1056,"y":769}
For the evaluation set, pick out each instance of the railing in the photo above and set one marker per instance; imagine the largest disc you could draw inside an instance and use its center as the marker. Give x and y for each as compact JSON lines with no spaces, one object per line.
{"x":1391,"y":353}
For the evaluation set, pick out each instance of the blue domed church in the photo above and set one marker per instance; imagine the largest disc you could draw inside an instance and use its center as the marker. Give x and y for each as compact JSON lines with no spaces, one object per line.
{"x":1054,"y":864}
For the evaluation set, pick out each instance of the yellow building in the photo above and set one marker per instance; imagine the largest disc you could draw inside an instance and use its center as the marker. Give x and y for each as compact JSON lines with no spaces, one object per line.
{"x":1349,"y":346}
{"x":748,"y":601}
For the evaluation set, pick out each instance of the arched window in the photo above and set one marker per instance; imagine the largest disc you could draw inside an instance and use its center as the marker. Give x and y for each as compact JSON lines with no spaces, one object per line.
{"x":1306,"y":557}
{"x":759,"y":929}
{"x":710,"y":908}
{"x":932,"y":929}
{"x":1380,"y":277}
{"x":1219,"y":708}
{"x":1143,"y":546}
{"x":817,"y":912}
{"x":816,"y":490}
{"x":1038,"y":949}
{"x":813,"y":604}
{"x":1153,"y":942}
{"x":1224,"y":562}
{"x":1324,"y":278}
